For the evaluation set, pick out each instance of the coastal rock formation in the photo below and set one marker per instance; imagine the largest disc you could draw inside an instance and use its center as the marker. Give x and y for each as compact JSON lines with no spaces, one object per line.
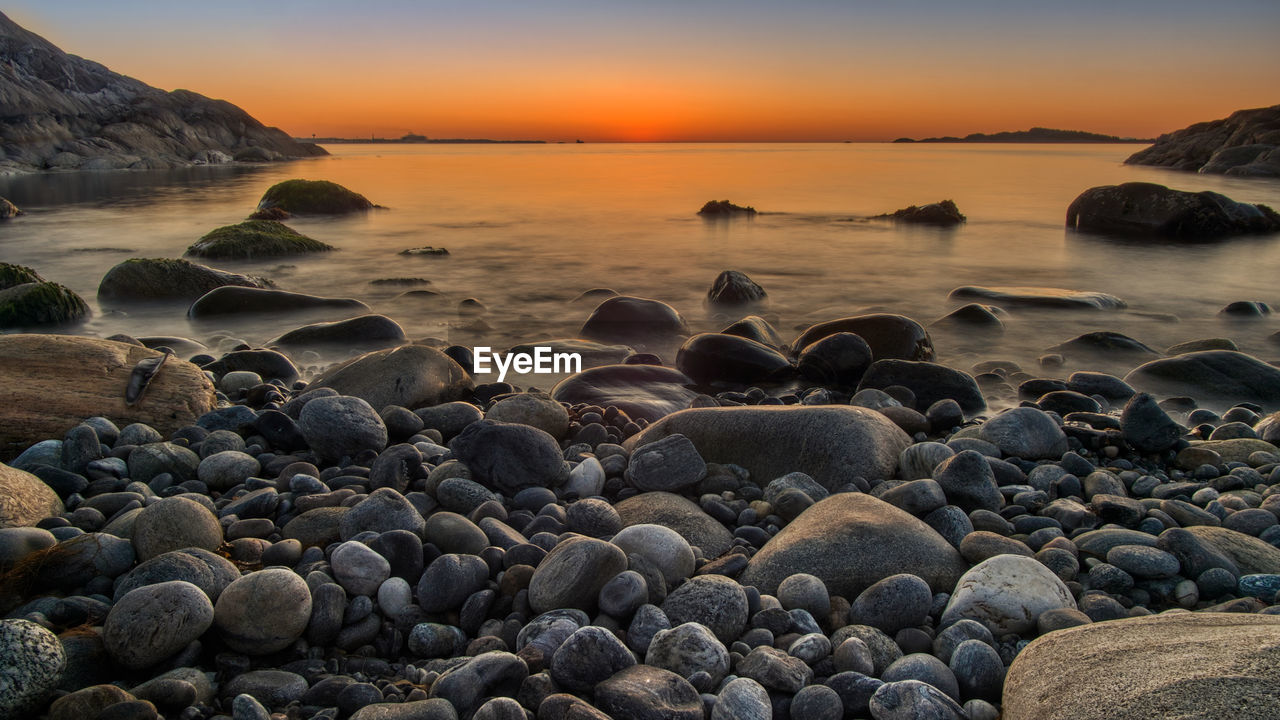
{"x":312,"y":197}
{"x":724,"y":209}
{"x":254,"y":239}
{"x":1139,"y":209}
{"x":943,"y":213}
{"x":59,"y":111}
{"x":53,"y":382}
{"x":1246,"y":144}
{"x":147,"y":279}
{"x":1184,"y":665}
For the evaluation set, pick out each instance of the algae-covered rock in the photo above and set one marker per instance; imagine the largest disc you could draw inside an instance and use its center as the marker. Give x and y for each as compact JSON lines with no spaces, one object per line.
{"x":313,"y":197}
{"x":168,"y":279}
{"x":12,"y":275}
{"x":253,"y":239}
{"x":40,"y":303}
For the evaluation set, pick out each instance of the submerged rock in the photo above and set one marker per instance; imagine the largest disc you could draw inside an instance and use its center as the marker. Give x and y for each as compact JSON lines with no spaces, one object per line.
{"x":627,"y":319}
{"x":890,"y":336}
{"x":1103,"y":343}
{"x":230,"y":300}
{"x":641,"y":391}
{"x":28,"y":300}
{"x":362,"y":332}
{"x":973,"y":316}
{"x":1029,"y":296}
{"x":754,"y":327}
{"x":313,"y":197}
{"x":8,"y":210}
{"x":943,"y":213}
{"x":1151,"y":210}
{"x":168,"y":279}
{"x":254,"y":239}
{"x":1218,"y":376}
{"x":733,"y":288}
{"x":715,"y":357}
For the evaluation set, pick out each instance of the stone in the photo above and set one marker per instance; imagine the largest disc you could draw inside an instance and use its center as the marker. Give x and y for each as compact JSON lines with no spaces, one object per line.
{"x":34,"y":661}
{"x":263,"y":612}
{"x":358,"y":569}
{"x":1042,"y":297}
{"x":633,"y":321}
{"x":850,"y":541}
{"x":489,"y":674}
{"x":571,"y":575}
{"x":708,"y":358}
{"x":643,"y":392}
{"x":805,"y":592}
{"x":153,"y":622}
{"x":341,"y":426}
{"x":831,"y":444}
{"x":896,"y":602}
{"x":1025,"y":433}
{"x":929,"y":382}
{"x":1250,"y":555}
{"x":382,"y":511}
{"x":83,"y":558}
{"x":35,"y":371}
{"x":510,"y":457}
{"x":1007,"y":593}
{"x":363,"y":332}
{"x":1213,"y":377}
{"x":978,"y":670}
{"x":642,"y":692}
{"x":1176,"y":665}
{"x":268,"y":364}
{"x":742,"y":699}
{"x":972,"y":317}
{"x":687,"y":649}
{"x":839,"y":359}
{"x":775,"y":670}
{"x":18,"y":542}
{"x":662,"y":546}
{"x":754,"y":327}
{"x":37,"y":303}
{"x":669,"y":464}
{"x":253,"y":239}
{"x":914,"y":700}
{"x":1146,"y":426}
{"x":889,"y":336}
{"x":1138,"y":209}
{"x":449,"y":580}
{"x":919,"y":460}
{"x":1104,"y":345}
{"x":313,"y":197}
{"x":942,"y":214}
{"x":272,"y":688}
{"x":224,"y":470}
{"x":87,"y":702}
{"x":453,"y":533}
{"x":1232,"y":146}
{"x":411,"y":376}
{"x":680,"y":514}
{"x":175,"y":523}
{"x":153,"y":279}
{"x":208,"y":571}
{"x":732,"y":289}
{"x":24,"y":499}
{"x":534,"y":409}
{"x":433,"y":709}
{"x":968,"y":482}
{"x":724,"y":209}
{"x":589,"y":656}
{"x":925,"y":668}
{"x":714,"y":601}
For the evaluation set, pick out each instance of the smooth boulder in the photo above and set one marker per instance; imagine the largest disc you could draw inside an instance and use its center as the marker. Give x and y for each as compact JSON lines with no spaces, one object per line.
{"x":1138,"y":209}
{"x":890,"y":336}
{"x":411,"y":376}
{"x":313,"y":197}
{"x":629,"y":320}
{"x":150,"y":279}
{"x":231,"y":300}
{"x":1219,"y":377}
{"x":254,"y":239}
{"x":646,"y":392}
{"x":25,"y":499}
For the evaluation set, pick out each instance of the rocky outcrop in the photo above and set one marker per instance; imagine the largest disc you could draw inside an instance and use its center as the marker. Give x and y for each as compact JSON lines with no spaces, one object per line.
{"x":147,"y":279}
{"x":724,"y":208}
{"x":943,"y":213}
{"x":62,"y":112}
{"x":1151,"y":210}
{"x":1246,"y":144}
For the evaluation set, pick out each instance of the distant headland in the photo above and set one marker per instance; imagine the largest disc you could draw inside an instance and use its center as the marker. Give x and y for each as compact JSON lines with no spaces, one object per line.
{"x":1034,"y":135}
{"x":414,"y":139}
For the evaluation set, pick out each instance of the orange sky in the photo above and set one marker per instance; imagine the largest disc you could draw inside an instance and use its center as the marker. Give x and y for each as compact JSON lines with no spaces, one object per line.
{"x":714,"y":70}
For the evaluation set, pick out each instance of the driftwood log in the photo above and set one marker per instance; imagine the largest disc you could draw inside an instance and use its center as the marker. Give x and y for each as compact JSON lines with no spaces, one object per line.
{"x":50,"y":383}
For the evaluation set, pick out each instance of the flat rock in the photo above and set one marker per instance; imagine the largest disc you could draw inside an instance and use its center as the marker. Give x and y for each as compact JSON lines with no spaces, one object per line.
{"x":929,"y":381}
{"x":851,"y":541}
{"x":890,"y":336}
{"x":1032,"y":296}
{"x":1169,"y":665}
{"x":831,"y":444}
{"x":152,"y":279}
{"x":53,"y":382}
{"x":646,"y":392}
{"x":412,"y":376}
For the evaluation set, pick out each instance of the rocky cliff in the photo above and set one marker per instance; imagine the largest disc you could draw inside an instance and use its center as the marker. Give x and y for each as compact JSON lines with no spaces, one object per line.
{"x":60,"y":111}
{"x":1245,"y":144}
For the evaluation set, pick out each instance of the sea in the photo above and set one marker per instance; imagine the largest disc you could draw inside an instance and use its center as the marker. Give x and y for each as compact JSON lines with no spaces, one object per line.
{"x":530,"y":227}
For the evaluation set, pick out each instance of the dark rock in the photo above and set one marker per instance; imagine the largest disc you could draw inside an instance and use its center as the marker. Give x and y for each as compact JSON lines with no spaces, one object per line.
{"x":510,"y":457}
{"x":889,"y":336}
{"x":724,"y":208}
{"x":713,"y":357}
{"x":1104,"y":344}
{"x":1147,"y":209}
{"x":314,"y":197}
{"x":1146,"y":426}
{"x":486,"y":675}
{"x":268,"y":364}
{"x":38,"y":303}
{"x":362,"y":332}
{"x":943,"y":213}
{"x":675,"y":512}
{"x":642,"y":692}
{"x":592,"y":655}
{"x":1028,"y":296}
{"x":929,"y":382}
{"x":341,"y":426}
{"x":411,"y":376}
{"x":775,"y":670}
{"x":733,"y":288}
{"x":572,"y":574}
{"x":646,"y":392}
{"x":839,"y":359}
{"x":232,"y":300}
{"x":631,"y":320}
{"x":149,"y":279}
{"x":1236,"y":145}
{"x":714,"y":601}
{"x":253,"y":239}
{"x":753,"y":327}
{"x":914,"y":700}
{"x":1217,"y":376}
{"x":972,"y":317}
{"x":968,"y":481}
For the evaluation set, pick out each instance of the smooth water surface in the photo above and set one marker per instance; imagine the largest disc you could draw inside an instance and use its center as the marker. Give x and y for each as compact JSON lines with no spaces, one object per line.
{"x":529,"y":227}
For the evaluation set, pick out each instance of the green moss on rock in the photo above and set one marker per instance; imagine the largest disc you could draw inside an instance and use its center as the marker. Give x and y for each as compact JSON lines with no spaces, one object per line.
{"x":316,"y":197}
{"x":40,"y":303}
{"x":254,"y":239}
{"x":13,"y":275}
{"x":168,"y":279}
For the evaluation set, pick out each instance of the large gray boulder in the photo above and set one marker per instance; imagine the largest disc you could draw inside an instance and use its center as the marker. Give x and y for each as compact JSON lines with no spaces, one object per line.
{"x":833,"y":444}
{"x":1151,"y":210}
{"x":1186,"y":665}
{"x":851,"y":541}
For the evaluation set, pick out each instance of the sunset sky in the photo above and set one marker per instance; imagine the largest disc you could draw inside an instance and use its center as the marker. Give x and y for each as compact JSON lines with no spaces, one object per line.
{"x":709,"y":70}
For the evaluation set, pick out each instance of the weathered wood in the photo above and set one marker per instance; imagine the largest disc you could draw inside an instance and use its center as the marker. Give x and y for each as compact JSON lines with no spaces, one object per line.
{"x":50,"y":383}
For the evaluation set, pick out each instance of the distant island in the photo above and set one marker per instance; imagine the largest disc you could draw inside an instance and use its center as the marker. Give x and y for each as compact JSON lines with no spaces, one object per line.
{"x":415,"y":139}
{"x":1034,"y":135}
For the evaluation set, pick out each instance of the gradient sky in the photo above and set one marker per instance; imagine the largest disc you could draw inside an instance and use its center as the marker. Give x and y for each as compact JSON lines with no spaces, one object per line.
{"x":740,"y":70}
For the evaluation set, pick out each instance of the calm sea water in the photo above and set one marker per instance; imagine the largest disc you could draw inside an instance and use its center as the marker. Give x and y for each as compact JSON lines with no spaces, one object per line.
{"x":528,"y":227}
